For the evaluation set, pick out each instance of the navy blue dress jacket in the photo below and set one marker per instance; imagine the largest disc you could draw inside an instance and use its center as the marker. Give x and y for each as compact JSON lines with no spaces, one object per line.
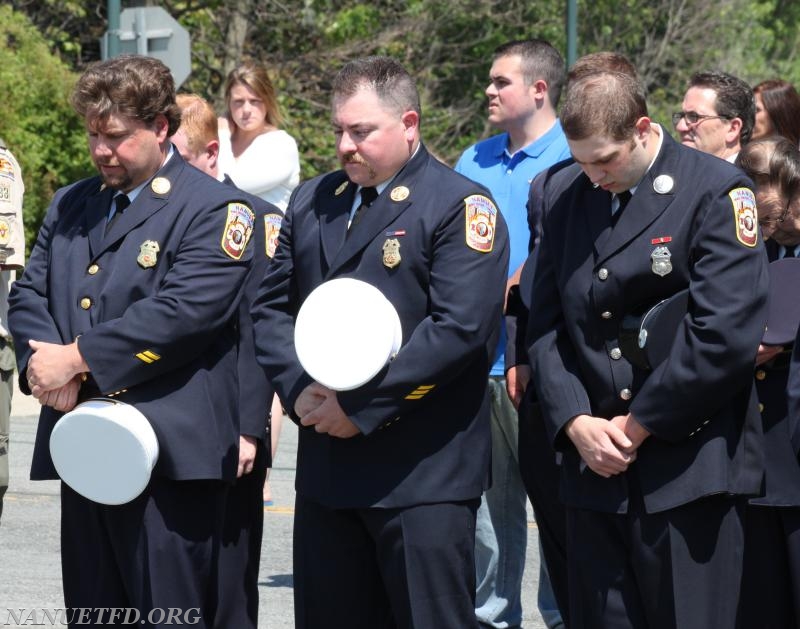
{"x":153,"y":304}
{"x":424,"y":419}
{"x":699,"y":404}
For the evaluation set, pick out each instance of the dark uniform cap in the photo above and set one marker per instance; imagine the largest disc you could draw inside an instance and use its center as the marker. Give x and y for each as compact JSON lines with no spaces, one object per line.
{"x":646,"y":338}
{"x":784,"y":302}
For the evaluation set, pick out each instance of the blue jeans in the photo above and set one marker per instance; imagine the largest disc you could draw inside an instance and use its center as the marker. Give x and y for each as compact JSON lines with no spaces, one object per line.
{"x":501,"y":532}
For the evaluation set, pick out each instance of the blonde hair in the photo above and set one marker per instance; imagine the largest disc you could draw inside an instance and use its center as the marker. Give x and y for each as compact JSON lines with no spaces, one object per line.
{"x":198,"y":121}
{"x":256,"y":78}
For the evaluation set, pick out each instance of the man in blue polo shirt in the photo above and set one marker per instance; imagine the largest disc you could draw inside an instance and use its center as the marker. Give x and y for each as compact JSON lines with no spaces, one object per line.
{"x":526,"y":79}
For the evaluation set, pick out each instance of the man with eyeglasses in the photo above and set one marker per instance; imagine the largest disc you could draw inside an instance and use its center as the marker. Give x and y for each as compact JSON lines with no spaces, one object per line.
{"x":717,"y":115}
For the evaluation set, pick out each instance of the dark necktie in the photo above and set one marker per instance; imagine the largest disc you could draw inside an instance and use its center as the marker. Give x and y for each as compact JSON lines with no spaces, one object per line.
{"x":788,"y":252}
{"x":121,"y":201}
{"x":368,"y":195}
{"x":623,"y":198}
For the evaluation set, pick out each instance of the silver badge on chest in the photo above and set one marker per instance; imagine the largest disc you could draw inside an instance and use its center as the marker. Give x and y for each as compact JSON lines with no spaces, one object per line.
{"x":148,"y":254}
{"x":660,"y":261}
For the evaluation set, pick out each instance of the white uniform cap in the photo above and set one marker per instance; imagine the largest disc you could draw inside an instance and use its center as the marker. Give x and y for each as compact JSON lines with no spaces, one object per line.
{"x":105,"y":450}
{"x":345,"y":333}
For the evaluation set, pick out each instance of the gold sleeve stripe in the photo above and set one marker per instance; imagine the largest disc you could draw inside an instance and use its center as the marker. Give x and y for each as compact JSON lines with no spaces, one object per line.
{"x":420,"y":391}
{"x":148,"y":356}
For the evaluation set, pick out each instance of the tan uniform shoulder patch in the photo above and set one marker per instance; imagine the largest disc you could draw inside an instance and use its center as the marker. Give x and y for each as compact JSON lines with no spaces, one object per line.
{"x":745,"y":215}
{"x":481,"y":218}
{"x":272,"y":229}
{"x":238,"y":229}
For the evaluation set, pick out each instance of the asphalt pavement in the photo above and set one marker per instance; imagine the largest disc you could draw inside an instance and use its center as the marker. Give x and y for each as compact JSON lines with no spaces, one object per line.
{"x":30,"y":568}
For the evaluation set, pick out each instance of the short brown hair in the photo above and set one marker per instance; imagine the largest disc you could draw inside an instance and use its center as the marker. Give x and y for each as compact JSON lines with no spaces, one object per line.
{"x":386,"y":76}
{"x":604,"y":61}
{"x":129,"y":85}
{"x":603,"y":103}
{"x":539,"y":61}
{"x":198,"y":122}
{"x":734,"y":98}
{"x":256,"y":78}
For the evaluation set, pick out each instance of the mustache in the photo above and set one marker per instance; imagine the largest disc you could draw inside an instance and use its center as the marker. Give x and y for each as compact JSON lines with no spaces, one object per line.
{"x":352,"y":158}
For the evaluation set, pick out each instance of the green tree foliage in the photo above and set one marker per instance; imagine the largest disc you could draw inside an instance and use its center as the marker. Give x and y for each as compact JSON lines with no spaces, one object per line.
{"x":668,"y":40}
{"x":767,"y":45}
{"x":38,"y":123}
{"x":446,"y":44}
{"x":72,"y":28}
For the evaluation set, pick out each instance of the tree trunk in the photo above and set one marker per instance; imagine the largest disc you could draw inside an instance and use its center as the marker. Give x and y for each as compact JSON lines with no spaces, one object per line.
{"x":235,"y":39}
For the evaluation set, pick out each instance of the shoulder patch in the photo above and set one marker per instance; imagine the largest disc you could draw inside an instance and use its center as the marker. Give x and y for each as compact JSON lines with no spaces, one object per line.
{"x":481,"y":218}
{"x":272,"y":227}
{"x":5,"y":231}
{"x":238,"y":229}
{"x":6,"y":169}
{"x":745,"y":215}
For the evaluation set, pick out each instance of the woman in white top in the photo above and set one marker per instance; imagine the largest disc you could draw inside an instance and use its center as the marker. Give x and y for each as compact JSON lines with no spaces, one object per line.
{"x":259,"y":157}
